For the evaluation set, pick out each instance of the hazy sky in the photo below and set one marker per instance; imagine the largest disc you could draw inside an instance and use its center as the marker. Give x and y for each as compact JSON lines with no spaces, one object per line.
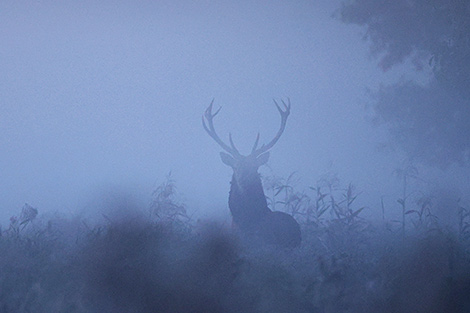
{"x":99,"y":98}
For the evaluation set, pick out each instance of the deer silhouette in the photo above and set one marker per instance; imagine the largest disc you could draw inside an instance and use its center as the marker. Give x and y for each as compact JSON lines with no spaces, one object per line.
{"x":247,"y":201}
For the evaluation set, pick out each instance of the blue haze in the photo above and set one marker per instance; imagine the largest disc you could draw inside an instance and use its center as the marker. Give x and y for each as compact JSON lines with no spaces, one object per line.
{"x":100,"y":99}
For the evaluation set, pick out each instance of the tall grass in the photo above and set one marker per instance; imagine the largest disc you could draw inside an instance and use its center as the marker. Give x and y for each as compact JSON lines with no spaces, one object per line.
{"x":162,"y":262}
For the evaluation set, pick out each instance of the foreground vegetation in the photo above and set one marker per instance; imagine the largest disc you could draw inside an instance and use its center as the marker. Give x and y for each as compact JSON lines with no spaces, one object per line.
{"x":166,"y":262}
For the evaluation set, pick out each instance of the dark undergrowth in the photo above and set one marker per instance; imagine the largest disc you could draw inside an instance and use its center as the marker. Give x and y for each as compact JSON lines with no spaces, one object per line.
{"x":165,"y":262}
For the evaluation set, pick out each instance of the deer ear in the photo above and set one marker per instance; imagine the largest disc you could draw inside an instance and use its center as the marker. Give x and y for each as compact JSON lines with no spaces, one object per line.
{"x":262,"y":159}
{"x":227,"y":159}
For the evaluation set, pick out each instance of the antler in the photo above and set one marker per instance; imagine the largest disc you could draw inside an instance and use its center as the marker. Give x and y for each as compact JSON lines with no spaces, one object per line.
{"x":208,"y":115}
{"x":284,"y":114}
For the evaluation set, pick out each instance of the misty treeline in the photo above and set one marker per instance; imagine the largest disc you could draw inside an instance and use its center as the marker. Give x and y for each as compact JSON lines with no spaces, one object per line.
{"x":161,"y":259}
{"x":430,"y":120}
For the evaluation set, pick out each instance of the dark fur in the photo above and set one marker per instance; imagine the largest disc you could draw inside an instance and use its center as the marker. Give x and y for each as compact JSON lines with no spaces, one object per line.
{"x":247,"y":201}
{"x":250,"y":212}
{"x":248,"y":206}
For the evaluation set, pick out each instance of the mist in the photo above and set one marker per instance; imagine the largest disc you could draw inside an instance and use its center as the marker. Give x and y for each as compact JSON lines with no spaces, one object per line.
{"x":101,"y":104}
{"x":104,"y":98}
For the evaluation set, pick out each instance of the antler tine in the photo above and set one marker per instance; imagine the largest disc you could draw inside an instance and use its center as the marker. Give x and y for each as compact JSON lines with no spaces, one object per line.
{"x":208,"y":115}
{"x":284,"y":114}
{"x":286,"y":110}
{"x":256,"y":144}
{"x":231,"y":143}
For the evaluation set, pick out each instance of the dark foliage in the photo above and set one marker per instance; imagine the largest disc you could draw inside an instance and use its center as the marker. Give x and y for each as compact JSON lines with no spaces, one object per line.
{"x":133,"y":264}
{"x":430,"y":122}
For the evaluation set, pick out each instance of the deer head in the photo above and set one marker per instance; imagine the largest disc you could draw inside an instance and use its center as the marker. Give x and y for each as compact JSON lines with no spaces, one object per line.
{"x":247,"y":201}
{"x":245,"y":167}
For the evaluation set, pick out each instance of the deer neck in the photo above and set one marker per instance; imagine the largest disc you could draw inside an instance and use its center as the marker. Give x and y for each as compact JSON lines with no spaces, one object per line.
{"x":247,"y":201}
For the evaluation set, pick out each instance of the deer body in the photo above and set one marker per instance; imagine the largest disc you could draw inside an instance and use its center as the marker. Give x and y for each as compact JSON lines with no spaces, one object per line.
{"x":248,"y":209}
{"x":247,"y":201}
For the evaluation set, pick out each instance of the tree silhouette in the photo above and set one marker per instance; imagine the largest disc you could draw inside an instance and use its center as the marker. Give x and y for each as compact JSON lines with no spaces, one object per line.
{"x":430,"y":122}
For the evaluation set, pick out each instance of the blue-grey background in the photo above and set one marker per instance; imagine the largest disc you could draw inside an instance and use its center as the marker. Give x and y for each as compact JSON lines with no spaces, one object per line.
{"x":99,"y":100}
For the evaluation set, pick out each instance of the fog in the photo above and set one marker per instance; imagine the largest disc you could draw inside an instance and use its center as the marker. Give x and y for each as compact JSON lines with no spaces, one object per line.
{"x":100,"y":100}
{"x":100,"y":132}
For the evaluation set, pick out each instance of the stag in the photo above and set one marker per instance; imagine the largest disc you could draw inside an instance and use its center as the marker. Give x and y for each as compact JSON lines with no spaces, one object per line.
{"x":247,"y":201}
